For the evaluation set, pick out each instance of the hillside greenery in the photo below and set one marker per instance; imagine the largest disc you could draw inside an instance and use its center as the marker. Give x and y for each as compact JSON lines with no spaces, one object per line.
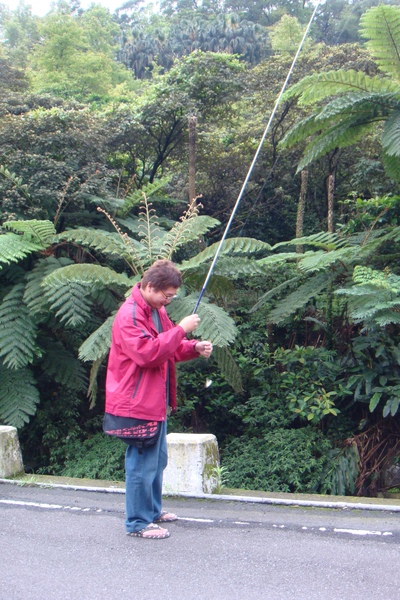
{"x":126,"y":137}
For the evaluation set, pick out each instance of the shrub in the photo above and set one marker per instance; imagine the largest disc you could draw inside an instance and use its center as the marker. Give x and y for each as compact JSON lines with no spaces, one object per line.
{"x":283,"y":460}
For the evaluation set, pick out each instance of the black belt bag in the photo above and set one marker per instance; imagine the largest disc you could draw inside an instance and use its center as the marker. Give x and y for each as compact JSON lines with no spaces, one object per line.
{"x":135,"y":432}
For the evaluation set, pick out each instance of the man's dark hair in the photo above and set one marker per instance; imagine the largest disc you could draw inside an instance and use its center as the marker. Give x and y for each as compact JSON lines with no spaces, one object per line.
{"x":162,"y":275}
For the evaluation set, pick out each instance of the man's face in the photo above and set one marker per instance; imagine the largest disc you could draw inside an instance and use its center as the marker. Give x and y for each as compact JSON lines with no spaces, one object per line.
{"x":158,"y":298}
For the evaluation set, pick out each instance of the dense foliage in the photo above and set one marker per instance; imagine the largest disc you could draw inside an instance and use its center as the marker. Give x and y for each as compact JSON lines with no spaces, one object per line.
{"x":111,"y":127}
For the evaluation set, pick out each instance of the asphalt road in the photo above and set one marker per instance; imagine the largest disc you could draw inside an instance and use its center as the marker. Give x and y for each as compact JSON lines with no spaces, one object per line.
{"x":65,"y":544}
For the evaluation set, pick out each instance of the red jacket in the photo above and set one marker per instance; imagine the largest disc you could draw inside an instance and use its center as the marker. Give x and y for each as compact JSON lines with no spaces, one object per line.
{"x":139,"y":358}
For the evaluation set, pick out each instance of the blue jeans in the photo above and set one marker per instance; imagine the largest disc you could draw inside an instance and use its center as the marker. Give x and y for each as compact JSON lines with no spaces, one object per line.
{"x":143,"y":482}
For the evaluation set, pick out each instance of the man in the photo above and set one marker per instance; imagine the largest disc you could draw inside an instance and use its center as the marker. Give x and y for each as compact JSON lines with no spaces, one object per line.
{"x":141,"y":383}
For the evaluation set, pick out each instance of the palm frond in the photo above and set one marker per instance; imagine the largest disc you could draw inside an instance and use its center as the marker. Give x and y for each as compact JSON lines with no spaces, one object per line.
{"x":381,"y":26}
{"x":19,"y":396}
{"x":17,"y":330}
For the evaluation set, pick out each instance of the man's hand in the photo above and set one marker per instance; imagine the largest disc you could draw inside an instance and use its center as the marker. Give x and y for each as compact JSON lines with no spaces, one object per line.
{"x":189,"y":323}
{"x":204,"y":349}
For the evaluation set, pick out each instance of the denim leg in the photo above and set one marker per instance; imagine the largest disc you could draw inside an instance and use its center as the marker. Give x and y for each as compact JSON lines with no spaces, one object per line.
{"x":143,"y":483}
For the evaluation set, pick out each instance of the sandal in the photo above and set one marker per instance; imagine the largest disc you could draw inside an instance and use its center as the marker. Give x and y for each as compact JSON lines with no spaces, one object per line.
{"x":151,"y":532}
{"x":166,"y":517}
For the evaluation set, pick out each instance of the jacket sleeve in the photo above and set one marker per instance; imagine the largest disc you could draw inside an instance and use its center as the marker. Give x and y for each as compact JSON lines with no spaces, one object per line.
{"x":186,"y":350}
{"x":143,"y":347}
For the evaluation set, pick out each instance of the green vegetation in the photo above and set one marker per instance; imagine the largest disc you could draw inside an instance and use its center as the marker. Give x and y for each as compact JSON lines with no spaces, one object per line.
{"x":125,"y":137}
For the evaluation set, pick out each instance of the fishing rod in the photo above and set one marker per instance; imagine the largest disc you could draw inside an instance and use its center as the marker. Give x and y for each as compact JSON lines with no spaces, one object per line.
{"x":203,"y":289}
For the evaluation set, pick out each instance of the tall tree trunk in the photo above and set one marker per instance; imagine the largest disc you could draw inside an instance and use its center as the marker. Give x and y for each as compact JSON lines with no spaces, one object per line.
{"x":331,"y":190}
{"x":192,"y":156}
{"x":301,"y":208}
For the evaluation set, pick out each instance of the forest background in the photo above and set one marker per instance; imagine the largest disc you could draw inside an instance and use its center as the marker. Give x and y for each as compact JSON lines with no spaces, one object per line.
{"x":127,"y":136}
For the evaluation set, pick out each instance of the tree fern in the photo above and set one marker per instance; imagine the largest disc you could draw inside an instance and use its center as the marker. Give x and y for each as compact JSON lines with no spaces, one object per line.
{"x":33,"y":294}
{"x":88,"y":276}
{"x":135,"y":197}
{"x":380,"y":25}
{"x":189,"y":227}
{"x":375,"y":297}
{"x":343,"y":134}
{"x":230,"y":247}
{"x":215,"y":325}
{"x":14,"y":248}
{"x":300,"y":297}
{"x":38,"y":232}
{"x":97,"y":345}
{"x":64,"y":368}
{"x":229,"y":368}
{"x":314,"y":88}
{"x":109,"y":243}
{"x":19,"y":396}
{"x":17,"y":330}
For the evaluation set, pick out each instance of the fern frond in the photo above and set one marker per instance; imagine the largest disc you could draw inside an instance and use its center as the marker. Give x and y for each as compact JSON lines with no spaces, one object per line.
{"x":238,"y":266}
{"x":318,"y":261}
{"x":14,"y":247}
{"x":134,"y":250}
{"x":320,"y":86}
{"x":88,"y":276}
{"x":19,"y":396}
{"x":391,"y":134}
{"x":392,"y":166}
{"x":327,"y":241}
{"x":272,"y":293}
{"x":17,"y":330}
{"x":97,"y":345}
{"x":381,"y":26}
{"x":59,"y":364}
{"x":33,"y":295}
{"x":216,"y":325}
{"x":371,"y":106}
{"x":69,"y":290}
{"x":188,"y":229}
{"x":92,"y":389}
{"x":135,"y":197}
{"x":299,"y":298}
{"x":346,"y":133}
{"x":97,"y":239}
{"x":149,"y":229}
{"x":229,"y":368}
{"x":230,"y":247}
{"x":38,"y":232}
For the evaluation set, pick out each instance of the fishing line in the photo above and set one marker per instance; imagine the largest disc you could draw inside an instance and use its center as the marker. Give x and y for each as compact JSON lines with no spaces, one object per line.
{"x":203,"y":289}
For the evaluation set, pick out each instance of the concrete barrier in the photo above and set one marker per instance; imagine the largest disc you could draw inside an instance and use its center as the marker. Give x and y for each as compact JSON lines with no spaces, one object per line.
{"x":193,"y":461}
{"x":10,"y":453}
